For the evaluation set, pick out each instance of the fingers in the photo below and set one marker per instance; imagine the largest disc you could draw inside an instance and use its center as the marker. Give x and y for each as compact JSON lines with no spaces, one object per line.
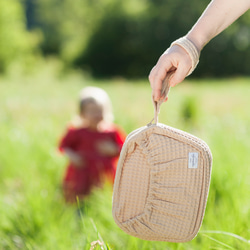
{"x":157,"y":75}
{"x":174,"y":59}
{"x":179,"y":75}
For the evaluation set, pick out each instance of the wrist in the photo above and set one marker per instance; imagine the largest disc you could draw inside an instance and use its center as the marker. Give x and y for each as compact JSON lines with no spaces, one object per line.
{"x":198,"y":43}
{"x":191,"y":50}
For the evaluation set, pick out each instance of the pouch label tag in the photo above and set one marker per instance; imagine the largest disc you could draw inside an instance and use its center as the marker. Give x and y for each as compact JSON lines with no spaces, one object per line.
{"x":193,"y":160}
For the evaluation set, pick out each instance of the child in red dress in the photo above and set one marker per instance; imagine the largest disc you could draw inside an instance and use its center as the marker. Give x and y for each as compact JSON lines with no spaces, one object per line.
{"x":93,"y":147}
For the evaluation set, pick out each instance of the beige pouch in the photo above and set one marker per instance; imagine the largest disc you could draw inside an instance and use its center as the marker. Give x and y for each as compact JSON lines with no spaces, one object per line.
{"x":162,"y":183}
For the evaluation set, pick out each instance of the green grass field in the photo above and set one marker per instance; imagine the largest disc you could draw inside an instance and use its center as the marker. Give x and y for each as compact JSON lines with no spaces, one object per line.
{"x":34,"y":112}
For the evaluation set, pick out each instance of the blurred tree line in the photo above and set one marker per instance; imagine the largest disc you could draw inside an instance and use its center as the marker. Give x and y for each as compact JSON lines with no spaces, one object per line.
{"x":115,"y":37}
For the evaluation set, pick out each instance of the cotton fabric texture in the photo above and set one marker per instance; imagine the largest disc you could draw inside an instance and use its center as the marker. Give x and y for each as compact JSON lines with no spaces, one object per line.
{"x":162,"y":182}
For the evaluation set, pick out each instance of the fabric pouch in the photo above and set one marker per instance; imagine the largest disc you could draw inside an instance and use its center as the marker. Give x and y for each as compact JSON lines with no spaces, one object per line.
{"x":162,"y":183}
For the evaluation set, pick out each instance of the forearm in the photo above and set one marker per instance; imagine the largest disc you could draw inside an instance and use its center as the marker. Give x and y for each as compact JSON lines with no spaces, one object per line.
{"x":218,"y":16}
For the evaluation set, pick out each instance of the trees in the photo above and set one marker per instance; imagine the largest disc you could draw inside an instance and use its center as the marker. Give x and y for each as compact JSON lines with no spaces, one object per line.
{"x":16,"y":43}
{"x":110,"y":37}
{"x":129,"y":45}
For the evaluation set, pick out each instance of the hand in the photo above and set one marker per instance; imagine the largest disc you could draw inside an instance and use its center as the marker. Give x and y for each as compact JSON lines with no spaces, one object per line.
{"x":107,"y":148}
{"x":176,"y":60}
{"x":76,"y":159}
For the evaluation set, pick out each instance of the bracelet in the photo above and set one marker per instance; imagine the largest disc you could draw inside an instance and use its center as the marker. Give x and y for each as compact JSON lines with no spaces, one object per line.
{"x":190,"y":48}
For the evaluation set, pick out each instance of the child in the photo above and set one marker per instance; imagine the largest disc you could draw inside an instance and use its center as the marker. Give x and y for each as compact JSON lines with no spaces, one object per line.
{"x":92,"y":146}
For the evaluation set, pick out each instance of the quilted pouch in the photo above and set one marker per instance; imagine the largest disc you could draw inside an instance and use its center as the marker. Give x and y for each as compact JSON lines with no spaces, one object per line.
{"x":162,"y":183}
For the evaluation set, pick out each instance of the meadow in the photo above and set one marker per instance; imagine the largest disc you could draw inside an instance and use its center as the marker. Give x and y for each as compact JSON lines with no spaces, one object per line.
{"x":34,"y":112}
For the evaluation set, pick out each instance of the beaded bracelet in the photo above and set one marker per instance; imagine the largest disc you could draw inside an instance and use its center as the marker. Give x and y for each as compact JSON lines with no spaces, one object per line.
{"x":190,"y":48}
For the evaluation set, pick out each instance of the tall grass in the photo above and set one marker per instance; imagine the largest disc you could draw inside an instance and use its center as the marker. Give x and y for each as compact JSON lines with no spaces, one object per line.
{"x":34,"y":112}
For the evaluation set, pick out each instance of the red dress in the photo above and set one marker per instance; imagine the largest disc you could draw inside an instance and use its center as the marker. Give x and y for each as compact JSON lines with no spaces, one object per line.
{"x":78,"y":181}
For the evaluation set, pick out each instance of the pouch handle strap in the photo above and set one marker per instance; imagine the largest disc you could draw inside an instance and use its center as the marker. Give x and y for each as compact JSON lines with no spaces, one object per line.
{"x":164,"y":94}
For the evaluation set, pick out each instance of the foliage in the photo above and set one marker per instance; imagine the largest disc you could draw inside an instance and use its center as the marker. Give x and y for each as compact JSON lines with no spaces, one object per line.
{"x":113,"y":38}
{"x":128,"y":45}
{"x":17,"y":45}
{"x":229,"y":53}
{"x":33,"y":214}
{"x":110,"y":38}
{"x":66,"y":24}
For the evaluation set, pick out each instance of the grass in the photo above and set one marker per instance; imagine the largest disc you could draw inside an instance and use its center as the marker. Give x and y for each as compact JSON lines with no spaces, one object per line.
{"x":34,"y":112}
